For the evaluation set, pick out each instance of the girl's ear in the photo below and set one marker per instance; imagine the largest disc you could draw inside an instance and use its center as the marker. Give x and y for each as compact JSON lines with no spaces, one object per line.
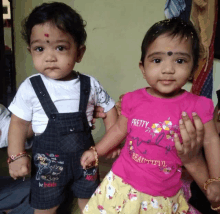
{"x":141,"y":66}
{"x":81,"y":51}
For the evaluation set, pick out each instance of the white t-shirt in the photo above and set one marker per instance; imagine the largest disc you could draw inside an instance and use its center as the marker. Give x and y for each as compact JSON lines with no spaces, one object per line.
{"x":64,"y":94}
{"x":4,"y":125}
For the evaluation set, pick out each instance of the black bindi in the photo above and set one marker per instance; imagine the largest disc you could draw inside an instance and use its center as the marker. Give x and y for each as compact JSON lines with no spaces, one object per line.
{"x":169,"y":53}
{"x":48,"y":41}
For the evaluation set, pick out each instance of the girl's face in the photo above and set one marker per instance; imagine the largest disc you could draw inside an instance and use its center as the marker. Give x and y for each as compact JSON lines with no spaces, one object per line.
{"x":54,"y":52}
{"x":167,"y":65}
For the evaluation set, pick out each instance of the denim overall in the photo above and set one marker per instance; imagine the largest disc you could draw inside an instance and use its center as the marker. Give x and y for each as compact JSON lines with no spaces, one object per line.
{"x":57,"y":151}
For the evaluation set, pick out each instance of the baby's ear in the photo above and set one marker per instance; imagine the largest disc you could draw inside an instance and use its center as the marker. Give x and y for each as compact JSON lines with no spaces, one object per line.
{"x":29,"y":49}
{"x":81,"y":51}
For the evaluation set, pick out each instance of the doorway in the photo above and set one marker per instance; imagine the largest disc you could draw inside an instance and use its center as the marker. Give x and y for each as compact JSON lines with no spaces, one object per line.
{"x":7,"y":57}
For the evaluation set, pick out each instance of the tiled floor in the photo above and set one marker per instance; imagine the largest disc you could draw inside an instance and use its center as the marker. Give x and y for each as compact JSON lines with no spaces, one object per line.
{"x":104,"y":167}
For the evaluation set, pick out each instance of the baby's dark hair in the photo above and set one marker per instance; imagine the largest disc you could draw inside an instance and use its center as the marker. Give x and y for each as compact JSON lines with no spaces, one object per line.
{"x":173,"y":27}
{"x":59,"y":14}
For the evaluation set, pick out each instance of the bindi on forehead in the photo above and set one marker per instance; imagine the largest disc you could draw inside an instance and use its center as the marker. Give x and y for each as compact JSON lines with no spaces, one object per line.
{"x":169,"y":53}
{"x":48,"y":41}
{"x":46,"y":34}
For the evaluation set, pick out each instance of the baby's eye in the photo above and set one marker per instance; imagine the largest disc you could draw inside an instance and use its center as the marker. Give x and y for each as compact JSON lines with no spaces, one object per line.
{"x":61,"y":48}
{"x":40,"y":49}
{"x":157,"y":60}
{"x":180,"y":61}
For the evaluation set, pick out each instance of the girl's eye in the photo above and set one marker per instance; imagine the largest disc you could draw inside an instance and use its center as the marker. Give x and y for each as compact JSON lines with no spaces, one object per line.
{"x":180,"y":61}
{"x":157,"y":60}
{"x":40,"y":49}
{"x":60,"y":48}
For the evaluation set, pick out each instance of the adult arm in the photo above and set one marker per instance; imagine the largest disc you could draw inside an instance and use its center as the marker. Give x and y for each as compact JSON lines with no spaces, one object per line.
{"x":190,"y":150}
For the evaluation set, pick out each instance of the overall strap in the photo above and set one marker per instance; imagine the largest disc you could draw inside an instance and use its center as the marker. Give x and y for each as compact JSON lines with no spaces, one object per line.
{"x":43,"y":95}
{"x":84,"y":92}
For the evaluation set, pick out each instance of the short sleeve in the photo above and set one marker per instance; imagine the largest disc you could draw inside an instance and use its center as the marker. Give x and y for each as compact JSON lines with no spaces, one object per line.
{"x":205,"y":109}
{"x":126,"y":105}
{"x":21,"y":104}
{"x":101,"y":97}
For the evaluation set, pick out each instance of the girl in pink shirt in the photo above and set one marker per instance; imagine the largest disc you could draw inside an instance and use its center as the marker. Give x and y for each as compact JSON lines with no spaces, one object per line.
{"x":146,"y":176}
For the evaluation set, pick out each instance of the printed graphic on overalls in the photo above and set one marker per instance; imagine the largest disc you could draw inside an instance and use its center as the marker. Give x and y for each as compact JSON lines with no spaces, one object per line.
{"x":90,"y":174}
{"x":49,"y":168}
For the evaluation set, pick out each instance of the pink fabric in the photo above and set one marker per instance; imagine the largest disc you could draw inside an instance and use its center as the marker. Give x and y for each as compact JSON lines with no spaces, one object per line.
{"x":187,"y":194}
{"x":149,"y":161}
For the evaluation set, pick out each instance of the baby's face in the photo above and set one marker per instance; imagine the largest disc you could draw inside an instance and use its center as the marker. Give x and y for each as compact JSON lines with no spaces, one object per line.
{"x":54,"y":52}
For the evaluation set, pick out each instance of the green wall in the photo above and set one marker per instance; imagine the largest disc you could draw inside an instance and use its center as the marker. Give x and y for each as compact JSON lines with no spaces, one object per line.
{"x":115,"y":31}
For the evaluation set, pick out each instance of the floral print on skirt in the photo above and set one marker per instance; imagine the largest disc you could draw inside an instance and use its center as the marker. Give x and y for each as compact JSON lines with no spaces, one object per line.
{"x":114,"y":196}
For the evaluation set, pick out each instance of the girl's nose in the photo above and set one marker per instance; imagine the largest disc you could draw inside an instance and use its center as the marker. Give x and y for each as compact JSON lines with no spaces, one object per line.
{"x":168,"y":68}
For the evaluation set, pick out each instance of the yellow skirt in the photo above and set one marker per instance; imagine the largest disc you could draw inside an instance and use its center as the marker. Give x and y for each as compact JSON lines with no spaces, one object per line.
{"x":113,"y":196}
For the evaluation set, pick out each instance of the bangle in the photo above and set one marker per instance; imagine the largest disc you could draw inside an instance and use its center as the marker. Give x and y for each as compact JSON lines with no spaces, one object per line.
{"x":96,"y":156}
{"x":215,"y":208}
{"x":13,"y":158}
{"x":209,"y":181}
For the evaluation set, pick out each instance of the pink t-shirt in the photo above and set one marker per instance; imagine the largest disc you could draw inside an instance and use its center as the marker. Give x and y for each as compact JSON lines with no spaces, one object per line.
{"x":149,"y":160}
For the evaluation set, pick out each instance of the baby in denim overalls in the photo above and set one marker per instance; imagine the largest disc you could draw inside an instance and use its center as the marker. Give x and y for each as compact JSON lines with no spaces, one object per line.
{"x":60,"y":103}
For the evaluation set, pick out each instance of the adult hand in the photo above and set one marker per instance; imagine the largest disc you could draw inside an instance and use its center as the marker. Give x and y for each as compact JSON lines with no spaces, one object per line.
{"x":98,"y":113}
{"x":192,"y":137}
{"x":118,"y":105}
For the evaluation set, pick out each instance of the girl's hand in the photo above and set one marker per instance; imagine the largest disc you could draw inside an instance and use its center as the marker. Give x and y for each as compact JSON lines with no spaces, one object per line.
{"x":20,"y":167}
{"x":192,"y":136}
{"x":87,"y":158}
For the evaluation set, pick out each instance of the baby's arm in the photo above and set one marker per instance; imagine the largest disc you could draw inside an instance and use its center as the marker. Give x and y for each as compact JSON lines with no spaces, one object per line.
{"x":111,"y":139}
{"x":17,"y":136}
{"x":212,"y":153}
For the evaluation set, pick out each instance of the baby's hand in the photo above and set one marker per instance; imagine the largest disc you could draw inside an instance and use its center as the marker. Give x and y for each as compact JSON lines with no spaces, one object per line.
{"x":213,"y":192}
{"x":87,"y":158}
{"x":114,"y":153}
{"x":20,"y":167}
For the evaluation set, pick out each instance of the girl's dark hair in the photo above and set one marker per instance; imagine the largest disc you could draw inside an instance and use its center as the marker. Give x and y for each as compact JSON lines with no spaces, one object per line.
{"x":59,"y":14}
{"x":173,"y":27}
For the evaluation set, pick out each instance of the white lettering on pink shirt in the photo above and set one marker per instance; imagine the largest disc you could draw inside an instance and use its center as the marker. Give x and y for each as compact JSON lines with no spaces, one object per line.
{"x":139,"y":123}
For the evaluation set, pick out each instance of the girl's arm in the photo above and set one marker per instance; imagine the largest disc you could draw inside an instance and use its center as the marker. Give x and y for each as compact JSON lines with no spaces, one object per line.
{"x":110,"y":118}
{"x":111,"y":139}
